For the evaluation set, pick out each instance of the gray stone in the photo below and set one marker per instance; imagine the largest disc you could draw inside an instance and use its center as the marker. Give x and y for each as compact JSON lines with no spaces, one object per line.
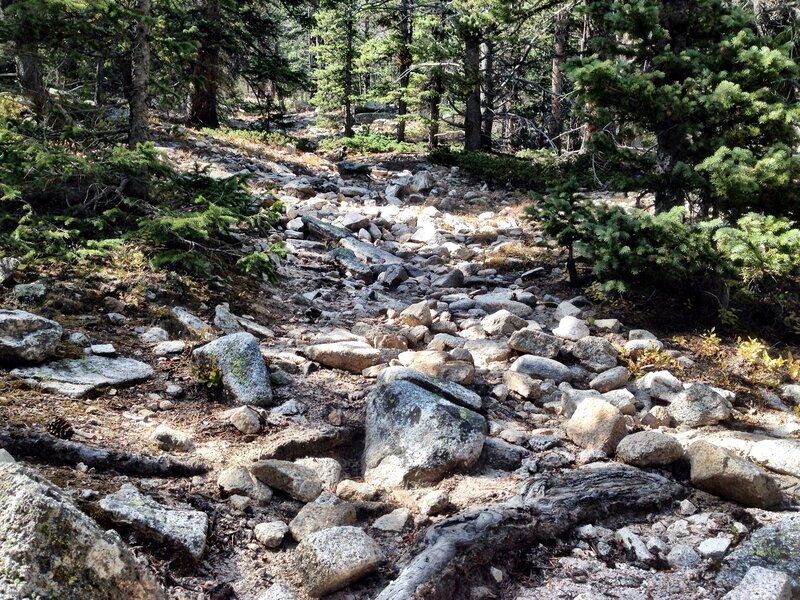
{"x":791,"y":393}
{"x":660,"y":384}
{"x":271,"y":534}
{"x":170,"y":439}
{"x":77,"y":377}
{"x":50,"y":546}
{"x":183,"y":530}
{"x":169,"y":347}
{"x":328,"y":470}
{"x":449,"y":390}
{"x":495,"y":301}
{"x":434,"y":503}
{"x":423,"y":181}
{"x":698,"y":406}
{"x":611,"y":379}
{"x":354,"y":221}
{"x":775,"y":547}
{"x":298,"y":481}
{"x":30,"y":292}
{"x":719,"y":472}
{"x":25,"y":337}
{"x":5,"y":457}
{"x":595,"y":353}
{"x":317,"y":516}
{"x":393,"y":276}
{"x":781,"y":456}
{"x":154,"y":335}
{"x":246,"y":419}
{"x":239,"y":481}
{"x":452,"y":279}
{"x":225,"y":320}
{"x":571,"y":328}
{"x":395,"y":521}
{"x":279,"y":591}
{"x":369,"y":253}
{"x":762,"y":584}
{"x":192,"y":324}
{"x":502,"y":455}
{"x":290,"y":408}
{"x":540,"y":367}
{"x":245,"y":378}
{"x":8,"y":265}
{"x":354,"y":490}
{"x":682,"y":557}
{"x":349,"y":262}
{"x":597,"y":425}
{"x":103,"y":349}
{"x":649,"y":449}
{"x":502,"y":322}
{"x":416,"y":314}
{"x":522,"y":385}
{"x":323,"y":230}
{"x":533,"y":341}
{"x":352,"y":356}
{"x":334,"y":558}
{"x":540,"y":443}
{"x":623,"y":400}
{"x":414,"y":435}
{"x":714,"y":548}
{"x":636,"y":347}
{"x":485,"y":352}
{"x":608,"y":325}
{"x":634,"y":545}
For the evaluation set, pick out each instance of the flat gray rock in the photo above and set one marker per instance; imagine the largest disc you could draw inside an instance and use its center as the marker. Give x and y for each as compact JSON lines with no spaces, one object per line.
{"x":449,"y":390}
{"x":79,"y":376}
{"x":369,"y":253}
{"x":353,"y":356}
{"x":762,"y":584}
{"x":533,"y":341}
{"x":299,"y":481}
{"x":57,"y":547}
{"x":25,"y":337}
{"x":245,"y":377}
{"x":491,"y":303}
{"x":183,"y":530}
{"x":540,"y":367}
{"x":698,"y":406}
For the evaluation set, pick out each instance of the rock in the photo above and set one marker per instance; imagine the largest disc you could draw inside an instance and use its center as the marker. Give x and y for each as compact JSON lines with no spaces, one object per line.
{"x":279,"y":591}
{"x":453,"y":279}
{"x":791,"y":393}
{"x":103,"y":349}
{"x":298,"y":481}
{"x":636,"y":347}
{"x":522,"y":385}
{"x":192,"y":324}
{"x":566,"y":309}
{"x":56,"y":547}
{"x":719,"y":472}
{"x":154,"y":335}
{"x":596,"y":354}
{"x":394,"y":521}
{"x":485,"y":352}
{"x":501,"y":455}
{"x":183,"y":530}
{"x":25,"y":337}
{"x":634,"y":545}
{"x":393,"y":276}
{"x":334,"y":558}
{"x":8,"y":265}
{"x":495,"y":301}
{"x":502,"y":323}
{"x":658,"y":416}
{"x":77,"y":377}
{"x":271,"y":534}
{"x":32,"y":293}
{"x":328,"y":470}
{"x":714,"y":548}
{"x":698,"y":406}
{"x":533,"y":341}
{"x":686,"y":508}
{"x":608,"y":325}
{"x":762,"y":584}
{"x":323,"y":230}
{"x":354,"y":221}
{"x":5,"y":457}
{"x":661,"y":384}
{"x":540,"y":367}
{"x":353,"y":490}
{"x":290,"y":408}
{"x":348,"y":261}
{"x":316,"y":516}
{"x":440,"y":365}
{"x":239,"y":481}
{"x":369,"y":253}
{"x":775,"y":547}
{"x":682,"y":557}
{"x":170,"y":439}
{"x":225,"y":320}
{"x":352,"y":356}
{"x":416,"y":314}
{"x":597,"y":425}
{"x":455,"y":393}
{"x":540,"y":443}
{"x":423,"y":181}
{"x":571,"y":328}
{"x":649,"y":449}
{"x":414,"y":435}
{"x":246,"y":419}
{"x":611,"y":379}
{"x":434,"y":503}
{"x":169,"y":347}
{"x":781,"y":456}
{"x":245,"y":378}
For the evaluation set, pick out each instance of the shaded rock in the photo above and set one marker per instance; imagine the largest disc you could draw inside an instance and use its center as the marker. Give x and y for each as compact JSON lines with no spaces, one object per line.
{"x":183,"y":530}
{"x":453,"y":279}
{"x":77,"y":377}
{"x":298,"y":481}
{"x":239,"y":481}
{"x":56,"y":547}
{"x":416,"y":314}
{"x":493,"y":302}
{"x":455,"y":393}
{"x":611,"y":379}
{"x":522,"y":385}
{"x":682,"y":557}
{"x":597,"y":425}
{"x":719,"y":472}
{"x":714,"y":548}
{"x":225,"y":320}
{"x":533,"y":341}
{"x":699,"y":405}
{"x":394,"y":521}
{"x":762,"y":584}
{"x":334,"y":558}
{"x":316,"y":516}
{"x":271,"y":534}
{"x":414,"y":435}
{"x":5,"y":457}
{"x":31,"y":293}
{"x":8,"y":265}
{"x":566,"y":309}
{"x":393,"y":276}
{"x":170,"y":439}
{"x":501,"y":455}
{"x":540,"y":367}
{"x":571,"y":328}
{"x":649,"y":448}
{"x":325,"y":231}
{"x":352,"y":356}
{"x":634,"y":545}
{"x":25,"y":337}
{"x":485,"y":352}
{"x":245,"y":378}
{"x":636,"y":347}
{"x":369,"y":253}
{"x":347,"y":260}
{"x":595,"y":353}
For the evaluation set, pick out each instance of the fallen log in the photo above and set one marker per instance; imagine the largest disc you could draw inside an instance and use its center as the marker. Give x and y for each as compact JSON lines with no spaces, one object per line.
{"x":440,"y":564}
{"x":52,"y":450}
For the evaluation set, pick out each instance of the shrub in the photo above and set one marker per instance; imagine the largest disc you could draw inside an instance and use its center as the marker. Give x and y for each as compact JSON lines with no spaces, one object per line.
{"x":372,"y":143}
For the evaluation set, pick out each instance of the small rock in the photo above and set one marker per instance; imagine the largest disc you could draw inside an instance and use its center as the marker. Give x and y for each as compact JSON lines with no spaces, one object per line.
{"x":353,"y":490}
{"x":279,"y":591}
{"x":682,"y":557}
{"x":522,"y":385}
{"x":169,"y":347}
{"x":762,"y":584}
{"x":169,"y":439}
{"x":540,"y":367}
{"x":246,"y":419}
{"x":434,"y":503}
{"x":686,"y":508}
{"x":649,"y":448}
{"x":154,"y":335}
{"x":611,"y":379}
{"x":502,"y":322}
{"x":533,"y":341}
{"x":296,"y":480}
{"x":596,"y":424}
{"x":698,"y":406}
{"x":634,"y":545}
{"x":25,"y":337}
{"x":103,"y":349}
{"x":317,"y":516}
{"x":394,"y":521}
{"x":5,"y":457}
{"x":571,"y":328}
{"x":714,"y":548}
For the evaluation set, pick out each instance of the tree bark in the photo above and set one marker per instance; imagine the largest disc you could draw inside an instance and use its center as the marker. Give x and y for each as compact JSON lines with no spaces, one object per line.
{"x":449,"y":553}
{"x":556,"y":78}
{"x":404,"y":61}
{"x":489,"y":94}
{"x":140,"y":77}
{"x":52,"y":450}
{"x":205,"y":86}
{"x":434,"y":107}
{"x":349,"y":60}
{"x":472,"y":71}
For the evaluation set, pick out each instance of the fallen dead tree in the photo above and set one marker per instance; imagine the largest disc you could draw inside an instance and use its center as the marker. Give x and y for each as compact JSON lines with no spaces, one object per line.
{"x":441,"y":562}
{"x":52,"y":450}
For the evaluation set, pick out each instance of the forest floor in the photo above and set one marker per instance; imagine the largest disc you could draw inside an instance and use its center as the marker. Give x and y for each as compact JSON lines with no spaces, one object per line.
{"x":313,"y":297}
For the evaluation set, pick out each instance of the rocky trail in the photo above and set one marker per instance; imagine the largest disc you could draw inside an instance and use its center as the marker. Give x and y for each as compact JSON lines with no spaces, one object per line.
{"x":419,"y":409}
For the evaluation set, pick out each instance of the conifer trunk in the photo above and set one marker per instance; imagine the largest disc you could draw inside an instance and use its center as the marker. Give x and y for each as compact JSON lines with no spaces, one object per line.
{"x":489,"y":94}
{"x":349,"y":59}
{"x":140,"y":77}
{"x":404,"y":61}
{"x":556,"y":77}
{"x":472,"y":70}
{"x":205,"y":84}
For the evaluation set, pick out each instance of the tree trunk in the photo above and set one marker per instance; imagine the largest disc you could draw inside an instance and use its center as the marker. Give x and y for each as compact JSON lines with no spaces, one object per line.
{"x":589,"y":127}
{"x":488,"y":97}
{"x":434,"y":106}
{"x":452,"y":553}
{"x":556,"y":78}
{"x":205,"y":86}
{"x":472,"y":71}
{"x":349,"y":60}
{"x":404,"y":61}
{"x":669,"y":143}
{"x":140,"y":77}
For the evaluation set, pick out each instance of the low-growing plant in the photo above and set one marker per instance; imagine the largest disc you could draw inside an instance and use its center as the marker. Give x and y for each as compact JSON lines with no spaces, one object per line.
{"x":370,"y":143}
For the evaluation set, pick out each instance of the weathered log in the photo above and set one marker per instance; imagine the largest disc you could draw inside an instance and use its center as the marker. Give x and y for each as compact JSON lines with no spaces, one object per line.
{"x":52,"y":450}
{"x":440,"y":563}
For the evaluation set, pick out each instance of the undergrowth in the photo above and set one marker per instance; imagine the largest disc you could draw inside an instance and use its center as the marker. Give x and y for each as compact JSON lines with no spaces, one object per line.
{"x":371,"y":143}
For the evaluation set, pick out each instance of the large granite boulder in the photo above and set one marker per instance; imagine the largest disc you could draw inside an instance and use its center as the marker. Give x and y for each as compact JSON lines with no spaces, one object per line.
{"x":25,"y":337}
{"x":414,"y":435}
{"x":48,"y":546}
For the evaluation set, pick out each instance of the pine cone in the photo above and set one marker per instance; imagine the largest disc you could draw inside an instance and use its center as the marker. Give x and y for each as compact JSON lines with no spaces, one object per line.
{"x":61,"y":428}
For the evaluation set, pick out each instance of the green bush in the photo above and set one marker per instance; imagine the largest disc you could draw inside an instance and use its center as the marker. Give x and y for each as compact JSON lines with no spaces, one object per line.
{"x":370,"y":143}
